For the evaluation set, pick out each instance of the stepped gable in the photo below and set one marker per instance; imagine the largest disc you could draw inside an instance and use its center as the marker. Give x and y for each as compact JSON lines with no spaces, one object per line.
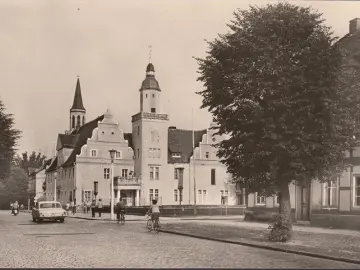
{"x":84,"y":132}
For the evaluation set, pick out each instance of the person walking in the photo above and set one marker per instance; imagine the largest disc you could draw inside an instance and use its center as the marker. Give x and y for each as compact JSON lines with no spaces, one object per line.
{"x":85,"y":207}
{"x":67,"y":208}
{"x":88,"y":206}
{"x":93,"y":205}
{"x":100,"y":206}
{"x":72,"y":207}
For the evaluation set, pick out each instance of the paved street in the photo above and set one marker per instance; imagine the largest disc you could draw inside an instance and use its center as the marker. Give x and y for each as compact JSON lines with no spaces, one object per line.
{"x":84,"y":243}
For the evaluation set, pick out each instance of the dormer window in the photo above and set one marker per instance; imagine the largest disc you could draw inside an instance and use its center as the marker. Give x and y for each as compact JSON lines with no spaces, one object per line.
{"x":176,"y":155}
{"x":93,"y":153}
{"x":207,"y":154}
{"x":118,"y":155}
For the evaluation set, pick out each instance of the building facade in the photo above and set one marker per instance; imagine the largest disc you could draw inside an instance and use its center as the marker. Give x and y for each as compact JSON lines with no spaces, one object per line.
{"x":156,"y":160}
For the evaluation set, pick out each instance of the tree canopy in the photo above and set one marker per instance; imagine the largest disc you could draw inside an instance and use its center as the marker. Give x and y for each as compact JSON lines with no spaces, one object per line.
{"x":275,"y":84}
{"x":33,"y":161}
{"x":8,"y":139}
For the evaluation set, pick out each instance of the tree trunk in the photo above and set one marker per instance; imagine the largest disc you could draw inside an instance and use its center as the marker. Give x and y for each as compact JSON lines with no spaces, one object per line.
{"x":284,"y":203}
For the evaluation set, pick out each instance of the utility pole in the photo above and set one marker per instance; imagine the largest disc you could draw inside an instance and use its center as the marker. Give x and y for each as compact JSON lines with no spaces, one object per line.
{"x":193,"y":146}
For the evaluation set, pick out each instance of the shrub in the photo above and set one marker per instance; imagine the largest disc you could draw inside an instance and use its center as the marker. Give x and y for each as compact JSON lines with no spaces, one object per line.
{"x":280,"y":229}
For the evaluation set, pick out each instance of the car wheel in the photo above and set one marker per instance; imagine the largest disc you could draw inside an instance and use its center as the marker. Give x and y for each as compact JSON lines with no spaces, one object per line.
{"x":62,"y":220}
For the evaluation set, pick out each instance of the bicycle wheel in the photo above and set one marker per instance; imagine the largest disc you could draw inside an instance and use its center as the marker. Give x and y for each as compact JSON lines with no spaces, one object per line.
{"x":149,"y":225}
{"x":122,"y":219}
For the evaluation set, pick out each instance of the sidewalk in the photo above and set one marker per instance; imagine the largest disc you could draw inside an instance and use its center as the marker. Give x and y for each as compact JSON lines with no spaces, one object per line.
{"x":343,"y":245}
{"x":106,"y":217}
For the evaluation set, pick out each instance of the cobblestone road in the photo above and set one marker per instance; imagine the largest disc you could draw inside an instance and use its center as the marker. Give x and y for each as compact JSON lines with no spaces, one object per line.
{"x":83,"y":243}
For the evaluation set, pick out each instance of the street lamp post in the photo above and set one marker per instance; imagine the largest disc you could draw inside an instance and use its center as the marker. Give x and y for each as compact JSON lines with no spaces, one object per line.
{"x":55,"y":189}
{"x":112,"y":155}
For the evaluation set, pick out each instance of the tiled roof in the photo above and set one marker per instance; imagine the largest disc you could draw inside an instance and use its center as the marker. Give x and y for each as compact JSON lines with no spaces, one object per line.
{"x":68,"y":140}
{"x":181,"y":142}
{"x":53,"y":165}
{"x":78,"y":103}
{"x":84,"y":133}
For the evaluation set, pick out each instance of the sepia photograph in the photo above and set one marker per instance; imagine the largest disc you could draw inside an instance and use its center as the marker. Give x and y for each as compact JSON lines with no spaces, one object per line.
{"x":180,"y":134}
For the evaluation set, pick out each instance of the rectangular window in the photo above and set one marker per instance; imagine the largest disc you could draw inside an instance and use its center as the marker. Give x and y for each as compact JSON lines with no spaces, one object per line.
{"x":151,"y":153}
{"x":259,"y":200}
{"x":204,"y":197}
{"x":151,"y":173}
{"x":200,"y":196}
{"x":124,"y":173}
{"x":151,"y":195}
{"x":107,"y":173}
{"x":157,"y":172}
{"x":357,"y":191}
{"x":156,"y":194}
{"x":240,"y":197}
{"x":176,"y":173}
{"x":175,"y":195}
{"x":207,"y":154}
{"x":93,"y":153}
{"x":158,"y":153}
{"x":153,"y":110}
{"x":330,"y":194}
{"x":276,"y":200}
{"x":138,"y":130}
{"x":118,"y":155}
{"x":87,"y":195}
{"x":213,"y":177}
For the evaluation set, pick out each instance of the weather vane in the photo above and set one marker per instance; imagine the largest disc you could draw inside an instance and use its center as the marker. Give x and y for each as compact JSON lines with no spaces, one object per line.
{"x":150,"y":53}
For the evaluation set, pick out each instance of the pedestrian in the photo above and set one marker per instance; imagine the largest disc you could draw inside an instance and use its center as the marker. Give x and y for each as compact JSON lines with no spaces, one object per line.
{"x":100,"y":206}
{"x":88,"y":205}
{"x":75,"y":207}
{"x":67,"y":208}
{"x":84,"y":207}
{"x":93,"y":205}
{"x":72,"y":205}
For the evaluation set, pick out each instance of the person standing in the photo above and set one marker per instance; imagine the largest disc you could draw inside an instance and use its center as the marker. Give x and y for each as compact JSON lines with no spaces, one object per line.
{"x":88,"y":206}
{"x":72,"y":207}
{"x":85,"y":207}
{"x":67,"y":208}
{"x":93,"y":205}
{"x":100,"y":206}
{"x":75,"y":207}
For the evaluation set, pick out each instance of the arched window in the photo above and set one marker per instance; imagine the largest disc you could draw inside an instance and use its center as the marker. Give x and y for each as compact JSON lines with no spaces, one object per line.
{"x":83,"y":120}
{"x":78,"y":121}
{"x":73,"y":122}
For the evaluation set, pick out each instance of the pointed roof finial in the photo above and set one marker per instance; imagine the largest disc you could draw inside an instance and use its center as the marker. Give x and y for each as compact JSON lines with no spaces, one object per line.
{"x":78,"y":103}
{"x":150,"y":53}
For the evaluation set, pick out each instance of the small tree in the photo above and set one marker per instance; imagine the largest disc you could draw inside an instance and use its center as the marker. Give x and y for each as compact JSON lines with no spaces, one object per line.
{"x":274,"y":83}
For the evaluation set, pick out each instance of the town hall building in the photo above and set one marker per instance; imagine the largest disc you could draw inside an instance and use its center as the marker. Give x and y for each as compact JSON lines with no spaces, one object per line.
{"x":156,"y":160}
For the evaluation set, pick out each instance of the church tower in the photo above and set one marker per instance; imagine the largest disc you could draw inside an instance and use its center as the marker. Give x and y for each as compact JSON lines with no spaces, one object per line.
{"x":77,"y":111}
{"x":150,"y":136}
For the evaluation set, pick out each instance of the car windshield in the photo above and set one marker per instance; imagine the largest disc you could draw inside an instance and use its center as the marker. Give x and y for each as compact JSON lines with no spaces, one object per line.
{"x":50,"y":205}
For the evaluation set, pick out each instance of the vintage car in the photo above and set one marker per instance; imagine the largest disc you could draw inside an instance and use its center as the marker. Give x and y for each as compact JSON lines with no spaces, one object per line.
{"x":48,"y":210}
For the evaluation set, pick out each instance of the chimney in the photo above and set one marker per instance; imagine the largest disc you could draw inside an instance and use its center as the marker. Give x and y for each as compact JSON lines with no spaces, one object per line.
{"x":354,"y":25}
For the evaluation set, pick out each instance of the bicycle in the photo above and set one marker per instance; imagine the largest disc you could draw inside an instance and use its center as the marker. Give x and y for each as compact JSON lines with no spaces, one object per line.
{"x":156,"y":225}
{"x":121,"y":218}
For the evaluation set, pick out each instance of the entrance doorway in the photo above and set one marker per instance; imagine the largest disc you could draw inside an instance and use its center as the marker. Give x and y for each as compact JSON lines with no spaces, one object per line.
{"x":303,"y":204}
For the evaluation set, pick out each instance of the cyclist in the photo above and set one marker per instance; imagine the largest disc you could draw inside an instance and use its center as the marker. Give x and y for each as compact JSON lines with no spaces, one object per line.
{"x":154,"y":210}
{"x":120,"y":209}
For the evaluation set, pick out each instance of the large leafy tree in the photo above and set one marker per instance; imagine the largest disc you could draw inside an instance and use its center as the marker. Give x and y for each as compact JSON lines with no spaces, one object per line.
{"x":8,"y":139}
{"x":14,"y":187}
{"x":35,"y":160}
{"x":275,"y":83}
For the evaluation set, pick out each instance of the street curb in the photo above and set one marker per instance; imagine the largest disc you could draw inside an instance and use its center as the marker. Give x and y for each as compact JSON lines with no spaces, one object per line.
{"x":304,"y":253}
{"x":108,"y":219}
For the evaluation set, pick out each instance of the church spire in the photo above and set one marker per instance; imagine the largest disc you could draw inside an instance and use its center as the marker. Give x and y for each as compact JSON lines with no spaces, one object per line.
{"x":78,"y":103}
{"x":77,"y":111}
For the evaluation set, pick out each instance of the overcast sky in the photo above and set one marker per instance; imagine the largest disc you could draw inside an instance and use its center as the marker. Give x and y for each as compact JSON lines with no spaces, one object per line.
{"x":45,"y":45}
